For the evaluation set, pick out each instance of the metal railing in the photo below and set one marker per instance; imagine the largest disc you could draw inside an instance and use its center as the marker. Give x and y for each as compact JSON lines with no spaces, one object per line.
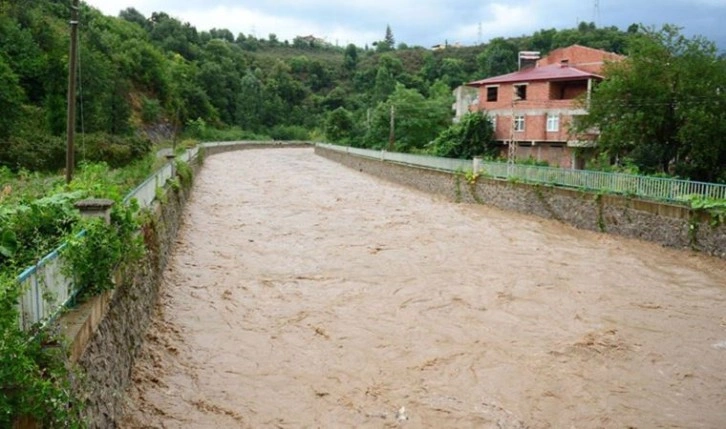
{"x":655,"y":188}
{"x":45,"y":290}
{"x":145,"y":193}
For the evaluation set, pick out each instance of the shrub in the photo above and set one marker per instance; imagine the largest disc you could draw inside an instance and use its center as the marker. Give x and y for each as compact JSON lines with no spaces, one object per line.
{"x":150,"y":110}
{"x":289,"y":132}
{"x":116,"y":151}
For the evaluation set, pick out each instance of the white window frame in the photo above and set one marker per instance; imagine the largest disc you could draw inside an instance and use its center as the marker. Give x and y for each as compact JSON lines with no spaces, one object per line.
{"x":519,"y":123}
{"x":553,"y":123}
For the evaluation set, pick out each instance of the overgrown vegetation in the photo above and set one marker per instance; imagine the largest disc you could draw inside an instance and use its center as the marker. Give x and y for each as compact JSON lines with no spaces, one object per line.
{"x":93,"y":257}
{"x":157,"y":77}
{"x":36,"y":215}
{"x":34,"y":380}
{"x":714,"y":207}
{"x":472,"y":136}
{"x":663,"y":108}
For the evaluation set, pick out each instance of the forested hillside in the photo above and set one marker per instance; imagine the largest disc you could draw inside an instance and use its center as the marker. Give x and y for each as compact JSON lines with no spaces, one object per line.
{"x":154,"y":76}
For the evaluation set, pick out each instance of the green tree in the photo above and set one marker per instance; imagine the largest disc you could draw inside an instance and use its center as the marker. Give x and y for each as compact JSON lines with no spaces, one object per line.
{"x":388,"y":43}
{"x":339,"y":125}
{"x":11,"y":99}
{"x":472,"y":136}
{"x":388,"y":40}
{"x":171,"y":35}
{"x":384,"y":84}
{"x":500,"y":57}
{"x":350,"y":58}
{"x":132,"y":15}
{"x":249,"y":108}
{"x":452,"y":72}
{"x":417,"y":120}
{"x":664,"y":106}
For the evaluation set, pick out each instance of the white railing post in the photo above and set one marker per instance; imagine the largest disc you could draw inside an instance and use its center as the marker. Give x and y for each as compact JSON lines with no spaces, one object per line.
{"x":476,"y":165}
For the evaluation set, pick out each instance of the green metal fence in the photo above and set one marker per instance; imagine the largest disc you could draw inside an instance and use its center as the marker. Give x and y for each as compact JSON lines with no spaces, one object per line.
{"x":655,"y":188}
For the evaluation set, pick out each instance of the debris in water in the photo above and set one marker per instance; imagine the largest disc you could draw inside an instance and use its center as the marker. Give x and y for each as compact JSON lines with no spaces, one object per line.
{"x":401,"y":415}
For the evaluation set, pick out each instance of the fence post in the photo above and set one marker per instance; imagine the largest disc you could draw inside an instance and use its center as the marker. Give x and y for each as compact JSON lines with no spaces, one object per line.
{"x":95,"y":207}
{"x":476,"y":164}
{"x":170,"y":159}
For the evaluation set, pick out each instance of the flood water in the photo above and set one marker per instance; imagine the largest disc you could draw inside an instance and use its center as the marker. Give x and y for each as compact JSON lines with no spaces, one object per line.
{"x":302,"y":294}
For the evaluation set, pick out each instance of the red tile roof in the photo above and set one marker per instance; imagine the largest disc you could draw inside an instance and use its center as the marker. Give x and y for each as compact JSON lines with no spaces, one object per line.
{"x":551,"y":72}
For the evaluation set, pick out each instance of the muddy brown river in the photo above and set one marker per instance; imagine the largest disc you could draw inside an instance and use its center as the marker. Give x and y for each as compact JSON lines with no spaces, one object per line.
{"x":302,"y":294}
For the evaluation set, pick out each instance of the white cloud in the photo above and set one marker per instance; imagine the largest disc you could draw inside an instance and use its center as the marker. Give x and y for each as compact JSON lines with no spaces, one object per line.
{"x":424,"y":22}
{"x":500,"y":20}
{"x":262,"y":24}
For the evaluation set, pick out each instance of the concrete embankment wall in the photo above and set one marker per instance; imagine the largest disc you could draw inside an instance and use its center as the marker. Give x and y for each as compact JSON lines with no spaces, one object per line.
{"x":116,"y":321}
{"x":666,"y":224}
{"x":221,"y":147}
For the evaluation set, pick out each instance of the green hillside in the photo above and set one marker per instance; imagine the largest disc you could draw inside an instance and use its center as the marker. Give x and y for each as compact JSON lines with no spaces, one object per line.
{"x":154,"y":77}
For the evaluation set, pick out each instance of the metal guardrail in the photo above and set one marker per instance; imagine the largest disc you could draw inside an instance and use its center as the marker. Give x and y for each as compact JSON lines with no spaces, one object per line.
{"x":46,"y":290}
{"x":655,"y":188}
{"x":435,"y":163}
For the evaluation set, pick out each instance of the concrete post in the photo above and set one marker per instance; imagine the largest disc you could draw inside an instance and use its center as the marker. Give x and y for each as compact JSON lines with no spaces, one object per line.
{"x":476,"y":164}
{"x":170,"y":158}
{"x":95,"y":207}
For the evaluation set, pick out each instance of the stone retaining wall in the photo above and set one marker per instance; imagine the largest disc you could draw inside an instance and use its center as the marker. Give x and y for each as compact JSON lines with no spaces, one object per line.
{"x":667,"y":224}
{"x":108,"y":357}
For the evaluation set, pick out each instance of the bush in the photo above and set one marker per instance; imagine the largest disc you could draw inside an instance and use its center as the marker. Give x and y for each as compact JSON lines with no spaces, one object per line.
{"x":473,"y":136}
{"x":150,"y":110}
{"x":198,"y":129}
{"x":30,"y":230}
{"x":339,"y":125}
{"x":33,"y":151}
{"x":43,"y":152}
{"x":116,"y":151}
{"x":289,"y":132}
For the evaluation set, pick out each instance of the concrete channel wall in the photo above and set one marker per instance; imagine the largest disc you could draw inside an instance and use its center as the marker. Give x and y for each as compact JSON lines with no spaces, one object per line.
{"x":115,"y":323}
{"x":666,"y":224}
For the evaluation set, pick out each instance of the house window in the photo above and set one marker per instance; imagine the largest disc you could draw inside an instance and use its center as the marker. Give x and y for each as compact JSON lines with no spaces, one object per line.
{"x":553,"y":123}
{"x":492,"y":93}
{"x":519,"y":123}
{"x":520,"y":92}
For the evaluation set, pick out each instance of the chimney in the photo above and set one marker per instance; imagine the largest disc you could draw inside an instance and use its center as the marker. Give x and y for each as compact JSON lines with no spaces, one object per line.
{"x":565,"y":63}
{"x":528,"y":59}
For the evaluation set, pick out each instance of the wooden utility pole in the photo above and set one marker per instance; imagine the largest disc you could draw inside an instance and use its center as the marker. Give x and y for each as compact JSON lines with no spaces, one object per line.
{"x":392,"y":132}
{"x":72,"y":65}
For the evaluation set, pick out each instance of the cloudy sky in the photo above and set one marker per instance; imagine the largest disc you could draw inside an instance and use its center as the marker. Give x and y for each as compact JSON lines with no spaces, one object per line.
{"x":428,"y":22}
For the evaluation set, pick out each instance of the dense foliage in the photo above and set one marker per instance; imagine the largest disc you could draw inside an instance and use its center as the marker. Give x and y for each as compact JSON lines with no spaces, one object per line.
{"x":155,"y":76}
{"x":472,"y":136}
{"x":34,"y":379}
{"x":663,"y":108}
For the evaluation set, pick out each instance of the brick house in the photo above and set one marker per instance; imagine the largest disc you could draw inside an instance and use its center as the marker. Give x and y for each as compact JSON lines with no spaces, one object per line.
{"x":536,"y":105}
